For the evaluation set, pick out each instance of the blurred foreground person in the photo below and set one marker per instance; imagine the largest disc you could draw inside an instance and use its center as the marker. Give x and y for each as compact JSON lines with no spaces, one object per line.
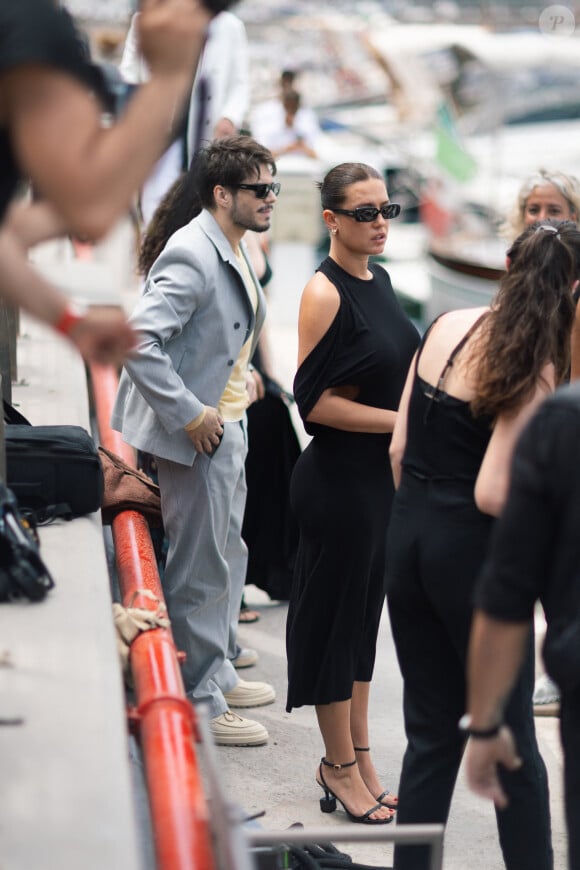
{"x":534,"y":555}
{"x":477,"y":378}
{"x":51,"y":132}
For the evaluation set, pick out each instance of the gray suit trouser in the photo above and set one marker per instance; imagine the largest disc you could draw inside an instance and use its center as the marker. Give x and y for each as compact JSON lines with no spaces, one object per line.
{"x":203,"y":509}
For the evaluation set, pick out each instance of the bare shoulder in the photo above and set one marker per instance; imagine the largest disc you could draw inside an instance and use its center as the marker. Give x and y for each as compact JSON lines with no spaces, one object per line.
{"x":318,"y":307}
{"x":446,"y":335}
{"x":452,"y":326}
{"x":320,"y":299}
{"x":460,"y":319}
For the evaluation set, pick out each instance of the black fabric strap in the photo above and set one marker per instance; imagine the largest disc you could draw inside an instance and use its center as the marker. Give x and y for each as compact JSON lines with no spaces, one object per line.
{"x":461,"y":344}
{"x":11,"y":415}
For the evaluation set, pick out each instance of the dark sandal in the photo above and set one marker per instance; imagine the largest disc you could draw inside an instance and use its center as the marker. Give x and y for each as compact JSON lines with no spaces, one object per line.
{"x":328,"y":802}
{"x":391,"y":803}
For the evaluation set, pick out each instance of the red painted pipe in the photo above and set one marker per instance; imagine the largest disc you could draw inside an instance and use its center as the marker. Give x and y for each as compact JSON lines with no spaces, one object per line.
{"x":166,"y":719}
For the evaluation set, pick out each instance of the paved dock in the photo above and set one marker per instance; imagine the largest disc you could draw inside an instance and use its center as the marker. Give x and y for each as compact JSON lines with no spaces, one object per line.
{"x":66,"y":797}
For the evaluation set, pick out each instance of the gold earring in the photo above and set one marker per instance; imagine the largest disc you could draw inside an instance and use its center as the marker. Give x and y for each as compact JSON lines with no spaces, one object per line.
{"x":333,"y":231}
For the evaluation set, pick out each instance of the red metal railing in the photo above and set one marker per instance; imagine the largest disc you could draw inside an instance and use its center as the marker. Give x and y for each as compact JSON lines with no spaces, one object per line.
{"x":165,"y":718}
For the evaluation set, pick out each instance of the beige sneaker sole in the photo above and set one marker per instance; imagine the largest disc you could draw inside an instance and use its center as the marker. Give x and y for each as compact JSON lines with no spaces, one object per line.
{"x":228,"y":730}
{"x":552,"y":709}
{"x":250,"y":694}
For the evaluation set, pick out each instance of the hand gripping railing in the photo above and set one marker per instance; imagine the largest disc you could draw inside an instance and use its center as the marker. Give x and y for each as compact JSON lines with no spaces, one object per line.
{"x":166,"y":721}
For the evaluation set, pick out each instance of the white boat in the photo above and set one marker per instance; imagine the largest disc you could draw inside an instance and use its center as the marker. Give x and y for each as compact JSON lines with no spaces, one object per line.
{"x":517,"y":98}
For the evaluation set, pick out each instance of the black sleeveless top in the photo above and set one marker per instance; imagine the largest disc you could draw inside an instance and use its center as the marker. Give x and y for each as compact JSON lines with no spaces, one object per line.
{"x":369,"y":344}
{"x":444,"y":440}
{"x":37,"y":32}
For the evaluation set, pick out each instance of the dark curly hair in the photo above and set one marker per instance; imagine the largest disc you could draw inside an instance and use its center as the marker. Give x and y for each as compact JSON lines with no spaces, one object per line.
{"x":530,"y":320}
{"x":228,"y":162}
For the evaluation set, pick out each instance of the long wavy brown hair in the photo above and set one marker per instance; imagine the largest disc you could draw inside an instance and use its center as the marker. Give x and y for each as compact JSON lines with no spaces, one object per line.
{"x":530,"y":320}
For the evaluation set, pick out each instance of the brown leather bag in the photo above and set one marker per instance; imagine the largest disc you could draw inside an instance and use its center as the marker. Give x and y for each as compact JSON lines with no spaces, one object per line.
{"x":128,"y":489}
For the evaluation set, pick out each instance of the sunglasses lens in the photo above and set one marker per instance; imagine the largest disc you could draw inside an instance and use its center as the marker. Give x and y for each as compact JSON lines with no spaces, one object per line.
{"x":365,"y":215}
{"x":262,"y":190}
{"x":368,"y":214}
{"x":392,"y":210}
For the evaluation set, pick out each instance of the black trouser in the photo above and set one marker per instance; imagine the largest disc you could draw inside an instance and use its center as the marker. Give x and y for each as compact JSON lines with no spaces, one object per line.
{"x":570,"y":734}
{"x":437,"y":541}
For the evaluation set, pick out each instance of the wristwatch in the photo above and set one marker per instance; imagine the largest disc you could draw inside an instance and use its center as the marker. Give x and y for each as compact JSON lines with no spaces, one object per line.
{"x":464,"y":725}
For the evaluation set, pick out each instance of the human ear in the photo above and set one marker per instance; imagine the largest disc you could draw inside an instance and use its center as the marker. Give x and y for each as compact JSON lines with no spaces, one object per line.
{"x":221,"y":195}
{"x":330,"y":220}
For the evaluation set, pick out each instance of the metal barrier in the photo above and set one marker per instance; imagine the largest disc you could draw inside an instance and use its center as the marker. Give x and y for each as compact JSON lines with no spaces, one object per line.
{"x":165,"y":719}
{"x":8,"y":332}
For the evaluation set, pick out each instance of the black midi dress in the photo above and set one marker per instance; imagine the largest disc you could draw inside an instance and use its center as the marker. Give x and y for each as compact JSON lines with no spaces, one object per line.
{"x":341,"y":493}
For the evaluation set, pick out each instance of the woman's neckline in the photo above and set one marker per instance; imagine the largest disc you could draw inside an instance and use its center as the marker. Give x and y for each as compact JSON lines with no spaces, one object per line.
{"x":350,"y":275}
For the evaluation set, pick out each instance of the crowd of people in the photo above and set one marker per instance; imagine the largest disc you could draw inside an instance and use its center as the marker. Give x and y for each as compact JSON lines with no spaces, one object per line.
{"x":478,"y":505}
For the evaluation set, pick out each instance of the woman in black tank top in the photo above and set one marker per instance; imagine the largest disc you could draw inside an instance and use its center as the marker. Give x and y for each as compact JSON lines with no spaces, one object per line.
{"x":355,"y":346}
{"x":475,"y":381}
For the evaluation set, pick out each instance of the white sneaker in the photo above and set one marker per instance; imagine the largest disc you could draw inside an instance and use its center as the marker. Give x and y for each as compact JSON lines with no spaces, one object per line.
{"x":229,"y":729}
{"x":245,"y":657}
{"x":546,"y":698}
{"x":247,"y":694}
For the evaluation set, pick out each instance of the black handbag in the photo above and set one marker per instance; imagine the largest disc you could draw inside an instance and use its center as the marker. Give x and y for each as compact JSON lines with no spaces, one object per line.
{"x":23,"y":574}
{"x":54,"y":471}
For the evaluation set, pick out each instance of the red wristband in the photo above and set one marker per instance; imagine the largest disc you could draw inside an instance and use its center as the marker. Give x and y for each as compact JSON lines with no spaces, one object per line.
{"x":71,"y":315}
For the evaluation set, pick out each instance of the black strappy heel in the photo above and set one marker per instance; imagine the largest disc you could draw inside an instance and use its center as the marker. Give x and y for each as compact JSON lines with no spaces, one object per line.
{"x":328,"y":802}
{"x":391,"y":804}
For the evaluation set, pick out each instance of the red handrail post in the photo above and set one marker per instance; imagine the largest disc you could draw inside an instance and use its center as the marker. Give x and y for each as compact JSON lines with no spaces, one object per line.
{"x":167,"y":723}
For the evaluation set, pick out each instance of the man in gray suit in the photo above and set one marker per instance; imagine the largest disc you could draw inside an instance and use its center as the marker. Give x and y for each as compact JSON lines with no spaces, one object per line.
{"x":182,"y":398}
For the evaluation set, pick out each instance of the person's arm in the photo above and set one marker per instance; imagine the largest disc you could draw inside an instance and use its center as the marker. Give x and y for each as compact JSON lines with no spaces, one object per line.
{"x":517,"y":572}
{"x":492,"y":484}
{"x":300,"y":146}
{"x":399,"y":439}
{"x":237,"y":91}
{"x":575,"y":346}
{"x":101,"y":335}
{"x":88,"y":172}
{"x":335,"y":407}
{"x":495,"y":656}
{"x":33,"y":222}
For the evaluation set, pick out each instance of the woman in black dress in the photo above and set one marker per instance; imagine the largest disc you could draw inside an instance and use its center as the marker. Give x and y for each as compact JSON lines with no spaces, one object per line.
{"x":476,"y":380}
{"x":355,"y":345}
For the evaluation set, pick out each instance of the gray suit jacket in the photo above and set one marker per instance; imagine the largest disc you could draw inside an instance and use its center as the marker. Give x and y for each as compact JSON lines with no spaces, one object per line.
{"x":192,"y":320}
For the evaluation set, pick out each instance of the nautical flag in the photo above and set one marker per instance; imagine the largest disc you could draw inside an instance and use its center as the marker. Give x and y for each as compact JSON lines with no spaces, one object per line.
{"x":450,"y":153}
